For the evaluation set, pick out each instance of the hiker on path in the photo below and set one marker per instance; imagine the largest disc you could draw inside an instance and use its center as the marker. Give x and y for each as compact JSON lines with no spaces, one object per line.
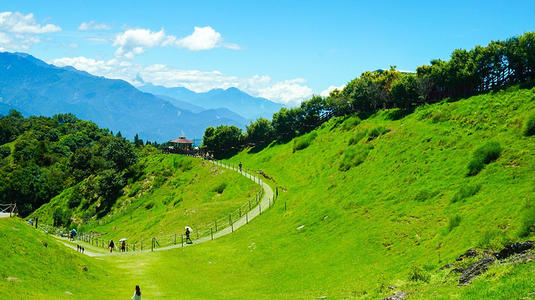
{"x":123,"y":246}
{"x":137,"y":294}
{"x":111,"y":246}
{"x":240,"y":166}
{"x":188,"y":240}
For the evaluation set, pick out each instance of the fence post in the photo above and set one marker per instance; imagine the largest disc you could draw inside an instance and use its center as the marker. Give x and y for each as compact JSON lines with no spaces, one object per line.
{"x":175,"y":238}
{"x":247,"y":217}
{"x":152,"y":245}
{"x":230,"y":222}
{"x":249,"y":204}
{"x":182,"y":240}
{"x":197,"y":229}
{"x":240,"y":212}
{"x":211,"y":233}
{"x":260,"y":208}
{"x":216,"y":225}
{"x":141,"y":249}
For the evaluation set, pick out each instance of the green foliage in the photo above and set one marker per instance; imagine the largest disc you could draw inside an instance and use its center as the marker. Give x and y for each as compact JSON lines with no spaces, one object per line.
{"x":483,"y":155}
{"x":453,"y":222}
{"x":376,"y":132}
{"x":527,"y":227}
{"x":222,"y":139}
{"x":354,"y":156}
{"x":220,"y":188}
{"x":357,"y":137}
{"x":350,"y":123}
{"x":425,"y":195}
{"x":119,"y":152}
{"x":259,"y":132}
{"x":5,"y":151}
{"x":61,"y":217}
{"x":529,"y":125}
{"x":304,"y":141}
{"x":466,"y":191}
{"x":418,"y":274}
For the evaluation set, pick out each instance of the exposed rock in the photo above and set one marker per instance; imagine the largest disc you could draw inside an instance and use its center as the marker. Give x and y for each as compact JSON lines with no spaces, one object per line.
{"x":477,"y":268}
{"x":514,"y":248}
{"x":469,"y":253}
{"x":397,"y":296}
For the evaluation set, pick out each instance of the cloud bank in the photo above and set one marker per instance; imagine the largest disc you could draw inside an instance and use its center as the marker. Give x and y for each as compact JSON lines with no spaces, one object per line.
{"x":19,"y":31}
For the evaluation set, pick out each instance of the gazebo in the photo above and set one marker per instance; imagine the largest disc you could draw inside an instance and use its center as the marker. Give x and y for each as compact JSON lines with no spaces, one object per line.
{"x":182,"y":144}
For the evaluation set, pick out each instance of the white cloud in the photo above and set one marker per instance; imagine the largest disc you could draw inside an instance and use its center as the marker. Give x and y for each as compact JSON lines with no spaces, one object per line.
{"x":92,"y":25}
{"x":204,"y":38}
{"x":290,"y":92}
{"x":17,"y":22}
{"x":135,"y":41}
{"x":331,"y":88}
{"x":18,"y":31}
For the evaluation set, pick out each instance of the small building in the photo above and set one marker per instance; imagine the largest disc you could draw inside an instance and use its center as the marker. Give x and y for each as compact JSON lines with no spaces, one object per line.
{"x":182,"y":144}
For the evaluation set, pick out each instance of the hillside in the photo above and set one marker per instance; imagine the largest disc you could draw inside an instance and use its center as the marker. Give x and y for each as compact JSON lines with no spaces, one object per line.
{"x":171,"y":192}
{"x":31,"y":270}
{"x":34,"y":87}
{"x":371,"y":208}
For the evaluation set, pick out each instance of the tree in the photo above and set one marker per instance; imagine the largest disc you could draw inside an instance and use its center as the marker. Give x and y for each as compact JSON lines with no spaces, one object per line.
{"x":119,"y":152}
{"x":259,"y":131}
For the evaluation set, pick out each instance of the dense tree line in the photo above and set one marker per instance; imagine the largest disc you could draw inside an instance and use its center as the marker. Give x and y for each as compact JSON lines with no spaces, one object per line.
{"x":41,"y":156}
{"x":466,"y":73}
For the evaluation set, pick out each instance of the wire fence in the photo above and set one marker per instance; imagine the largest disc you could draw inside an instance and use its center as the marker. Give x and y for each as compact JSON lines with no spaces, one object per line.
{"x":207,"y":231}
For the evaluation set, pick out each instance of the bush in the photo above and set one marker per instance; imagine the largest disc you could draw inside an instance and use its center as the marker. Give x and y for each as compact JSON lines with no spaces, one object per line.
{"x":529,"y":125}
{"x":454,"y":222}
{"x":354,"y":156}
{"x":149,"y":205}
{"x":527,"y":227}
{"x":418,"y":274}
{"x":350,"y":123}
{"x":5,"y":151}
{"x":304,"y":141}
{"x":220,"y":188}
{"x":376,"y":132}
{"x":60,"y":217}
{"x":424,"y":195}
{"x":466,"y":191}
{"x":359,"y":136}
{"x":484,"y":155}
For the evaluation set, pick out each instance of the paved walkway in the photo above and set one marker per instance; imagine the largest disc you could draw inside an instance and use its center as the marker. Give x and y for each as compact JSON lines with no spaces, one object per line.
{"x":4,"y":215}
{"x":265,"y":203}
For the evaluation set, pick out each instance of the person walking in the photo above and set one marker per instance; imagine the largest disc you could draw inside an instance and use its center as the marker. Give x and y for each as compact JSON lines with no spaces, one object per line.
{"x":240,"y":166}
{"x":188,"y":240}
{"x":123,"y":246}
{"x":137,"y":294}
{"x":111,"y":246}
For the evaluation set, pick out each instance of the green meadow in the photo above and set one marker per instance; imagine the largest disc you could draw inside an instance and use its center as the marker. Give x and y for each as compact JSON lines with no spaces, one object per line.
{"x":366,"y":208}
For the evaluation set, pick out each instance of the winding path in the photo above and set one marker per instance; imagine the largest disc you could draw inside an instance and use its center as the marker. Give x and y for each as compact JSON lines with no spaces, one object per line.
{"x":262,"y":206}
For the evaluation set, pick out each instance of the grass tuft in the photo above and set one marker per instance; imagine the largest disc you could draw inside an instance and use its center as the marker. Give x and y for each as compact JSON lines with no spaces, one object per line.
{"x":304,"y":141}
{"x":529,"y":125}
{"x":466,"y":191}
{"x":484,"y":155}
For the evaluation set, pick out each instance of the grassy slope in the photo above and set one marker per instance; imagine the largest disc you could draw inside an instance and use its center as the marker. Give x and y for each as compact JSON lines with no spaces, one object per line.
{"x":49,"y":272}
{"x":174,"y":191}
{"x":366,"y":228}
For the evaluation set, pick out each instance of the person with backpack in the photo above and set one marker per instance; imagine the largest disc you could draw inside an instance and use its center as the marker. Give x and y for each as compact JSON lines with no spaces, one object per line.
{"x":111,"y":246}
{"x":188,"y":239}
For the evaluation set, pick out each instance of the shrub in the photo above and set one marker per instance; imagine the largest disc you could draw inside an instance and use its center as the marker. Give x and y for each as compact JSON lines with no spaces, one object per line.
{"x":304,"y":141}
{"x":424,"y":195}
{"x":350,"y":123}
{"x":527,"y":227}
{"x":134,"y":190}
{"x":466,"y":191}
{"x":355,"y":139}
{"x":454,"y":222}
{"x":177,"y":201}
{"x":376,"y":132}
{"x":354,"y":156}
{"x":483,"y":155}
{"x":418,"y":274}
{"x":4,"y":151}
{"x":149,"y":205}
{"x":220,"y":188}
{"x":60,"y":217}
{"x":529,"y":125}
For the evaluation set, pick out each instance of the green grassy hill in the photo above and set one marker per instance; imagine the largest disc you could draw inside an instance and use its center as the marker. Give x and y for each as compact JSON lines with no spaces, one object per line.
{"x":171,"y":191}
{"x":29,"y":270}
{"x":365,"y":209}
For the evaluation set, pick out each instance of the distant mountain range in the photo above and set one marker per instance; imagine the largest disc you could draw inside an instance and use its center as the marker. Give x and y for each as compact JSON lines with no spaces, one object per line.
{"x":232,"y":98}
{"x":34,"y":87}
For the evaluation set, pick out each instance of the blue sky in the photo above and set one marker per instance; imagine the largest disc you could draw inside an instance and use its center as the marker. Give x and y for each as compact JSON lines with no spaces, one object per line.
{"x":281,"y":50}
